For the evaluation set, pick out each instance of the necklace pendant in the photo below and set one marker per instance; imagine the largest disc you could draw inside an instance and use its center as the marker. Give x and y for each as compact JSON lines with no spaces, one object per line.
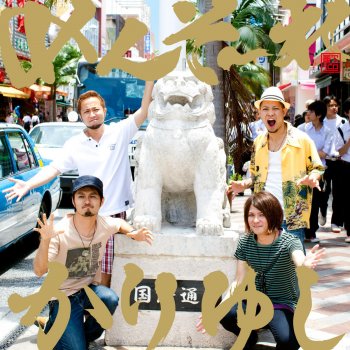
{"x":85,"y":252}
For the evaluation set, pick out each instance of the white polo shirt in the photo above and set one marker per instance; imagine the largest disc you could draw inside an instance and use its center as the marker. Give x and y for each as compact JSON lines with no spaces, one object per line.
{"x":322,"y":138}
{"x":339,"y":142}
{"x":107,"y":159}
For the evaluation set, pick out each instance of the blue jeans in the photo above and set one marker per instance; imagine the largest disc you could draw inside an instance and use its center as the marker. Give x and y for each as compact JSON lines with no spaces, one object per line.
{"x":299,"y":232}
{"x":78,"y":333}
{"x":281,"y":327}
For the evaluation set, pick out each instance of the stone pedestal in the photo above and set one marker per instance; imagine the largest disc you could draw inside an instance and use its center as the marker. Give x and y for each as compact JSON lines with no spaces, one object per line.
{"x":189,"y":257}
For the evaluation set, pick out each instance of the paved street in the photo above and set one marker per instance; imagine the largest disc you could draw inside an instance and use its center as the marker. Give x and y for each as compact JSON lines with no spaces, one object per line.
{"x":330,"y":314}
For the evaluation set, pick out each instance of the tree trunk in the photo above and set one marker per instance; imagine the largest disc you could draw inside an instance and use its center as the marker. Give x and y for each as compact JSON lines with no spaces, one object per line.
{"x":53,"y":113}
{"x":212,"y":50}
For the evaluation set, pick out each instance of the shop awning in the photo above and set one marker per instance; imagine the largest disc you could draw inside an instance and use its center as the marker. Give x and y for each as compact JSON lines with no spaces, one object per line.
{"x":62,"y":93}
{"x":63,"y":104}
{"x":324,"y":81}
{"x":284,"y":86}
{"x":307,"y":84}
{"x":9,"y":91}
{"x":304,"y":84}
{"x":40,"y":88}
{"x":46,"y":89}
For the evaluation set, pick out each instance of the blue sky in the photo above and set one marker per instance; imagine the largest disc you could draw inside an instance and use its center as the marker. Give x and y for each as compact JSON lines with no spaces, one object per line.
{"x":154,"y":5}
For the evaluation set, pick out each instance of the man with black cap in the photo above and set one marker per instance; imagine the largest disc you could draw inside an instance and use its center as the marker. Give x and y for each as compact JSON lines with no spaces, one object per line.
{"x":100,"y":150}
{"x":284,"y":162}
{"x":78,"y":241}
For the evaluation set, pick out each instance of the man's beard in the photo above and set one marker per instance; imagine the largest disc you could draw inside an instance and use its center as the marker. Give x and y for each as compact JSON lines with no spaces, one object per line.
{"x":88,"y":213}
{"x":94,"y":127}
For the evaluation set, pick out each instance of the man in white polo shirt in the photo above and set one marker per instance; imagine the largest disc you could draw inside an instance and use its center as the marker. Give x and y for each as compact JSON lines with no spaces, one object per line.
{"x":102,"y":151}
{"x":342,"y":145}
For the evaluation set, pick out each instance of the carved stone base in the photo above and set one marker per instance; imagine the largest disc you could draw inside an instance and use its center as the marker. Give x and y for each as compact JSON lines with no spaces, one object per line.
{"x":189,"y":258}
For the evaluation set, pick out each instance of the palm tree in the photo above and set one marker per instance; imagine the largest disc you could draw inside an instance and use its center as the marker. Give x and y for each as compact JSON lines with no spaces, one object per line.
{"x":65,"y":67}
{"x":254,"y":78}
{"x":232,"y":96}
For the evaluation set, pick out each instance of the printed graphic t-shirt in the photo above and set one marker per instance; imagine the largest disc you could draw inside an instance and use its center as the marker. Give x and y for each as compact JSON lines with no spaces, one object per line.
{"x":82,"y":261}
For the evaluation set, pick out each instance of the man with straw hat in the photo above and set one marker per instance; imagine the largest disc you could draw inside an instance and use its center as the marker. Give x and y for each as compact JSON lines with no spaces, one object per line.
{"x":284,"y":162}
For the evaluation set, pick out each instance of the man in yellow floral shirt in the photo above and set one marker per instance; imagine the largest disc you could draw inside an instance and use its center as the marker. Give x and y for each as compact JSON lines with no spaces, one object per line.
{"x":284,"y":162}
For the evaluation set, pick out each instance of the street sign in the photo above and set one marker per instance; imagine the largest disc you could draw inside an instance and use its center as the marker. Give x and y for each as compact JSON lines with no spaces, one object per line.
{"x":188,"y":295}
{"x":147,"y":45}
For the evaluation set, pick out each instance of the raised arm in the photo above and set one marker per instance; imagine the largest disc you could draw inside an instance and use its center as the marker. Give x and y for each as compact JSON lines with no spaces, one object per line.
{"x":21,"y":187}
{"x":141,"y":114}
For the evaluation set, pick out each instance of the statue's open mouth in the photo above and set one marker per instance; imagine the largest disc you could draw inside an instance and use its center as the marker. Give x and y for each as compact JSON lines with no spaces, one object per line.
{"x":193,"y":103}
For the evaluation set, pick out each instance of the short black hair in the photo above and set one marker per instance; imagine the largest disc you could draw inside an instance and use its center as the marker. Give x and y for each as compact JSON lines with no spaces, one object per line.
{"x":328,"y":99}
{"x":346,"y":105}
{"x":320,"y":109}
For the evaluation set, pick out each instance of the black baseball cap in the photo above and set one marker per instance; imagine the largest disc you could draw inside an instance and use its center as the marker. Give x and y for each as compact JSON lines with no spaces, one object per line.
{"x":88,"y":181}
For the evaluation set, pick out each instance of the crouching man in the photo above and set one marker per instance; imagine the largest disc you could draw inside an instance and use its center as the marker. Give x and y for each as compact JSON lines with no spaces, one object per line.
{"x":78,"y":241}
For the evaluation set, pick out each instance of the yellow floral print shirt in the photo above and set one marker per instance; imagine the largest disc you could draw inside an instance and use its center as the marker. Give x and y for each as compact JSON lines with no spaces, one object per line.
{"x":299,"y":158}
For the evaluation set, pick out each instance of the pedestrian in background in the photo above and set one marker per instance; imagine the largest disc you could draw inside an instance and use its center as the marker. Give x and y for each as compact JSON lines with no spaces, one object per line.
{"x":100,"y":150}
{"x":342,"y":176}
{"x":284,"y":162}
{"x":35,"y":119}
{"x":332,"y":122}
{"x":323,"y":139}
{"x":9,"y":118}
{"x":78,"y":242}
{"x":27,"y":122}
{"x":306,"y":120}
{"x":274,"y":256}
{"x":257,"y":127}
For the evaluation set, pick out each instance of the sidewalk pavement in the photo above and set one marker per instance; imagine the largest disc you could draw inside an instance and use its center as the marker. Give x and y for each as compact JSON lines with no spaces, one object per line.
{"x":330,"y":315}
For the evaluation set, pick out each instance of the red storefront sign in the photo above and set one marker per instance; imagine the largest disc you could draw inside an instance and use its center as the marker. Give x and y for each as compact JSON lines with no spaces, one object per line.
{"x":330,"y":62}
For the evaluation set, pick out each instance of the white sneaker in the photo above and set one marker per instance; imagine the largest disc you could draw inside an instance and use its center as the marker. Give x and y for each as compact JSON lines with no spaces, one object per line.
{"x":322,"y":219}
{"x":335,"y":228}
{"x":347,"y":239}
{"x":314,"y":240}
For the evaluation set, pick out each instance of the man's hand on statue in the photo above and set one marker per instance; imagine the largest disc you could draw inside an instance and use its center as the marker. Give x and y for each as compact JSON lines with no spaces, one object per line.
{"x":46,"y":228}
{"x":143,"y":234}
{"x":18,"y":190}
{"x":310,"y":181}
{"x":199,"y":325}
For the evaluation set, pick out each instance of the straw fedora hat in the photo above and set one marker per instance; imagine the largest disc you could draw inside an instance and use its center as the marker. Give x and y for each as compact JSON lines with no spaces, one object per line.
{"x":272,"y":94}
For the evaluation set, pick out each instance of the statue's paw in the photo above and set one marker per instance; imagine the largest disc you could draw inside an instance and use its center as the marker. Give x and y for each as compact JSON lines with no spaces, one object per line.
{"x":209,"y":227}
{"x":227,"y":220}
{"x":149,"y":221}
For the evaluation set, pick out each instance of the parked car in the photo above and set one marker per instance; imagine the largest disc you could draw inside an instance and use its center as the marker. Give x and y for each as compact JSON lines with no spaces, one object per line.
{"x":49,"y":138}
{"x":20,"y":159}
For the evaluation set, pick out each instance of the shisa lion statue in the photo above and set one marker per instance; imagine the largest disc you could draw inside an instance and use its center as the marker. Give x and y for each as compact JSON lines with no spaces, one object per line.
{"x":181,"y":171}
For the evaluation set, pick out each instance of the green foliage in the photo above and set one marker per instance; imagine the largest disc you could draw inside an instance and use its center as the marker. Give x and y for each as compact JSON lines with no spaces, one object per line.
{"x":235,"y":177}
{"x":254,"y":77}
{"x":65,"y":65}
{"x":51,"y":3}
